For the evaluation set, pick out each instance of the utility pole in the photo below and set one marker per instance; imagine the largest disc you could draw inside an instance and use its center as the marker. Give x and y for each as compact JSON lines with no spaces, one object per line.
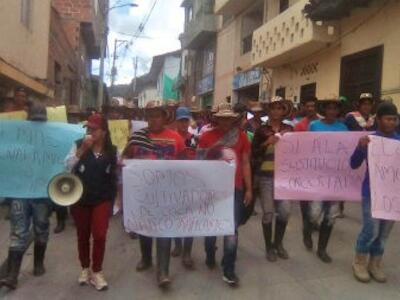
{"x":135,"y":62}
{"x":114,"y":68}
{"x":103,"y":43}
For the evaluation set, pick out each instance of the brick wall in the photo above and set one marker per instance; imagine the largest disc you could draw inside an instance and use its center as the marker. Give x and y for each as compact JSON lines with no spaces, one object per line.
{"x":61,"y":54}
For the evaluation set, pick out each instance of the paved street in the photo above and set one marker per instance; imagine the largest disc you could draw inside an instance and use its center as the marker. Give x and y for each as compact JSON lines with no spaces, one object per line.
{"x":301,"y":277}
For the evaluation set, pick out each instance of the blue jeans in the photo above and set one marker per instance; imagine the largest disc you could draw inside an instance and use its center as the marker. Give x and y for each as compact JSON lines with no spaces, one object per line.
{"x":230,"y":241}
{"x":374,"y":232}
{"x":23,"y":212}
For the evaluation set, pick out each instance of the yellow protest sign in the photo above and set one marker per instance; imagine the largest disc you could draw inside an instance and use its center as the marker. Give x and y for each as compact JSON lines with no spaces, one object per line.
{"x":14,"y":115}
{"x":119,"y":130}
{"x":57,"y":114}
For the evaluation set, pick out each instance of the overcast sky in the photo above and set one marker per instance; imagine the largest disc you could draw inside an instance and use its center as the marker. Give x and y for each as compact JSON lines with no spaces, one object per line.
{"x":160,"y":35}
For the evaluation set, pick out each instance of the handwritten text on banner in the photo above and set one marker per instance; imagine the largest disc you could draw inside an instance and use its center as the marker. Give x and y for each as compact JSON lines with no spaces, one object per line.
{"x":31,"y":153}
{"x":384,"y":174}
{"x":315,"y":166}
{"x":178,"y":198}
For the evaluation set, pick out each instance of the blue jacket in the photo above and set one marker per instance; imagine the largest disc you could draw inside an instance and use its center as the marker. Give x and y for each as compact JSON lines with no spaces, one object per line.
{"x":361,"y":154}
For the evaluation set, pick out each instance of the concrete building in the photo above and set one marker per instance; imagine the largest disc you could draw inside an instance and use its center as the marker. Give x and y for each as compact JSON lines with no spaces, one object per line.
{"x":84,"y":23}
{"x":161,"y":81}
{"x":329,"y":48}
{"x":236,"y":79}
{"x":199,"y":44}
{"x":24,"y":46}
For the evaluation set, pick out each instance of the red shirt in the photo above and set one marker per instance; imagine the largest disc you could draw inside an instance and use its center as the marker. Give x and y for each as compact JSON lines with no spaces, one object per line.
{"x":168,"y":143}
{"x":242,"y":146}
{"x":302,"y":125}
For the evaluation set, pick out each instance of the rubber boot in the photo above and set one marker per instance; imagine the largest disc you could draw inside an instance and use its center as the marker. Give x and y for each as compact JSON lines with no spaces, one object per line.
{"x":324,"y":235}
{"x":269,"y":247}
{"x":61,"y":213}
{"x":210,"y":248}
{"x":178,"y":248}
{"x":280,"y":228}
{"x":375,"y":269}
{"x":39,"y":251}
{"x":360,"y":267}
{"x":146,"y":251}
{"x":4,"y":269}
{"x":187,"y":260}
{"x":163,"y":258}
{"x":14,"y":261}
{"x":307,"y":225}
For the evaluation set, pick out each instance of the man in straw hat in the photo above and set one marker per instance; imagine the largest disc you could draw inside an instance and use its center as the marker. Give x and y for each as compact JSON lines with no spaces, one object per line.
{"x":155,"y":142}
{"x":362,"y":119}
{"x":23,"y":212}
{"x":263,"y":162}
{"x":227,"y":142}
{"x":330,"y":110}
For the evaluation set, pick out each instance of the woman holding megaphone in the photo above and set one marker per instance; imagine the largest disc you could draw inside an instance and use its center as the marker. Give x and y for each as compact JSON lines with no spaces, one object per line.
{"x":94,"y":160}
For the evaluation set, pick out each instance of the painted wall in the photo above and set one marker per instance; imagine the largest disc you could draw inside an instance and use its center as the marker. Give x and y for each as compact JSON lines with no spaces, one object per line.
{"x":365,"y":29}
{"x":27,"y":49}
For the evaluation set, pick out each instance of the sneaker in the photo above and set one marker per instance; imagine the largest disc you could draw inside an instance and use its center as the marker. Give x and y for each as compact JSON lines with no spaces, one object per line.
{"x":231,"y":279}
{"x":98,"y":281}
{"x":84,"y":277}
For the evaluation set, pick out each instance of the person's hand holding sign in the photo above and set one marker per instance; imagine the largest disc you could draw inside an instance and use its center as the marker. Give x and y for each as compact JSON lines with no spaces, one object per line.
{"x":364,"y":141}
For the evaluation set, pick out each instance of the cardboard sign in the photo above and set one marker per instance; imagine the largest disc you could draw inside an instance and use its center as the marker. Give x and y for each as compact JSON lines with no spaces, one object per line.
{"x":165,"y":198}
{"x":384,"y":174}
{"x":31,"y":153}
{"x":315,"y":166}
{"x":119,"y":130}
{"x":14,"y":115}
{"x":57,"y":114}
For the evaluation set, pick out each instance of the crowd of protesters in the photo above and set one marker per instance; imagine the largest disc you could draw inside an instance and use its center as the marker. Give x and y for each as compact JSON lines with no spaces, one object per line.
{"x":222,"y":133}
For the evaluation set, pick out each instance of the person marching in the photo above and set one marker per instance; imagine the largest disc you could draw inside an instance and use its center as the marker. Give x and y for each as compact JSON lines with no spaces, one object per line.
{"x":94,"y":160}
{"x":309,"y":106}
{"x":24,"y":212}
{"x":183,"y":118}
{"x":369,"y":248}
{"x":155,"y":142}
{"x":228,"y":142}
{"x":330,"y":111}
{"x":263,"y":160}
{"x":362,"y":119}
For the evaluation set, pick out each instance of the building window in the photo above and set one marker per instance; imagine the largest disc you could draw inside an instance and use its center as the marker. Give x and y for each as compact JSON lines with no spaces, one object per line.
{"x":283,"y":5}
{"x":26,"y":13}
{"x":281,"y":92}
{"x":247,"y":44}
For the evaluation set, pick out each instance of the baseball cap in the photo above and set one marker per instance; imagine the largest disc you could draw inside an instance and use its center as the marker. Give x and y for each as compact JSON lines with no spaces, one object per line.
{"x":94,"y":121}
{"x":183,"y":113}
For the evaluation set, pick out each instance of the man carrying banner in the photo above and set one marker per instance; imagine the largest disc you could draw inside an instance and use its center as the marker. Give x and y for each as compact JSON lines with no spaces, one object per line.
{"x":183,"y":118}
{"x":23,"y":212}
{"x":228,"y":142}
{"x":155,"y":142}
{"x":310,"y":109}
{"x":263,"y":160}
{"x":330,"y":110}
{"x":370,"y":243}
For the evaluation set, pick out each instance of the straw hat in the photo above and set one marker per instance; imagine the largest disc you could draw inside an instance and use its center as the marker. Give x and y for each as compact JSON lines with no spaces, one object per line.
{"x":288,"y":105}
{"x":225,"y":111}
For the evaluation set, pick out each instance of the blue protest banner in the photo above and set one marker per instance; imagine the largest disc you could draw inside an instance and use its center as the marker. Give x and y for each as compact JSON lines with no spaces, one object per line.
{"x":31,"y":153}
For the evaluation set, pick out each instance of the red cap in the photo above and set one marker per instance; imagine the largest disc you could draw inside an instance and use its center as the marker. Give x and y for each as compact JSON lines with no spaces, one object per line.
{"x":94,"y":121}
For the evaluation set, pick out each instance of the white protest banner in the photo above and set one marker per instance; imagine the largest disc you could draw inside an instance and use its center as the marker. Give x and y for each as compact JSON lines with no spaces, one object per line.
{"x":165,"y":198}
{"x":384,"y":174}
{"x":315,"y":166}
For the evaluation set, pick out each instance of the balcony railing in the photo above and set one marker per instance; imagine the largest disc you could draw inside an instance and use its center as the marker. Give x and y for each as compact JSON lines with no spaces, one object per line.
{"x":289,"y":37}
{"x":198,"y":31}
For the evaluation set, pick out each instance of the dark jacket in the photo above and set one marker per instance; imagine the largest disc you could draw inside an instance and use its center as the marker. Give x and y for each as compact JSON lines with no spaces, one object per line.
{"x":98,"y":175}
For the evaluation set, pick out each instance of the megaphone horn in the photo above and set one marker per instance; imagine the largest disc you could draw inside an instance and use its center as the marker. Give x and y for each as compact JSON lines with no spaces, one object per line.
{"x":65,"y":189}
